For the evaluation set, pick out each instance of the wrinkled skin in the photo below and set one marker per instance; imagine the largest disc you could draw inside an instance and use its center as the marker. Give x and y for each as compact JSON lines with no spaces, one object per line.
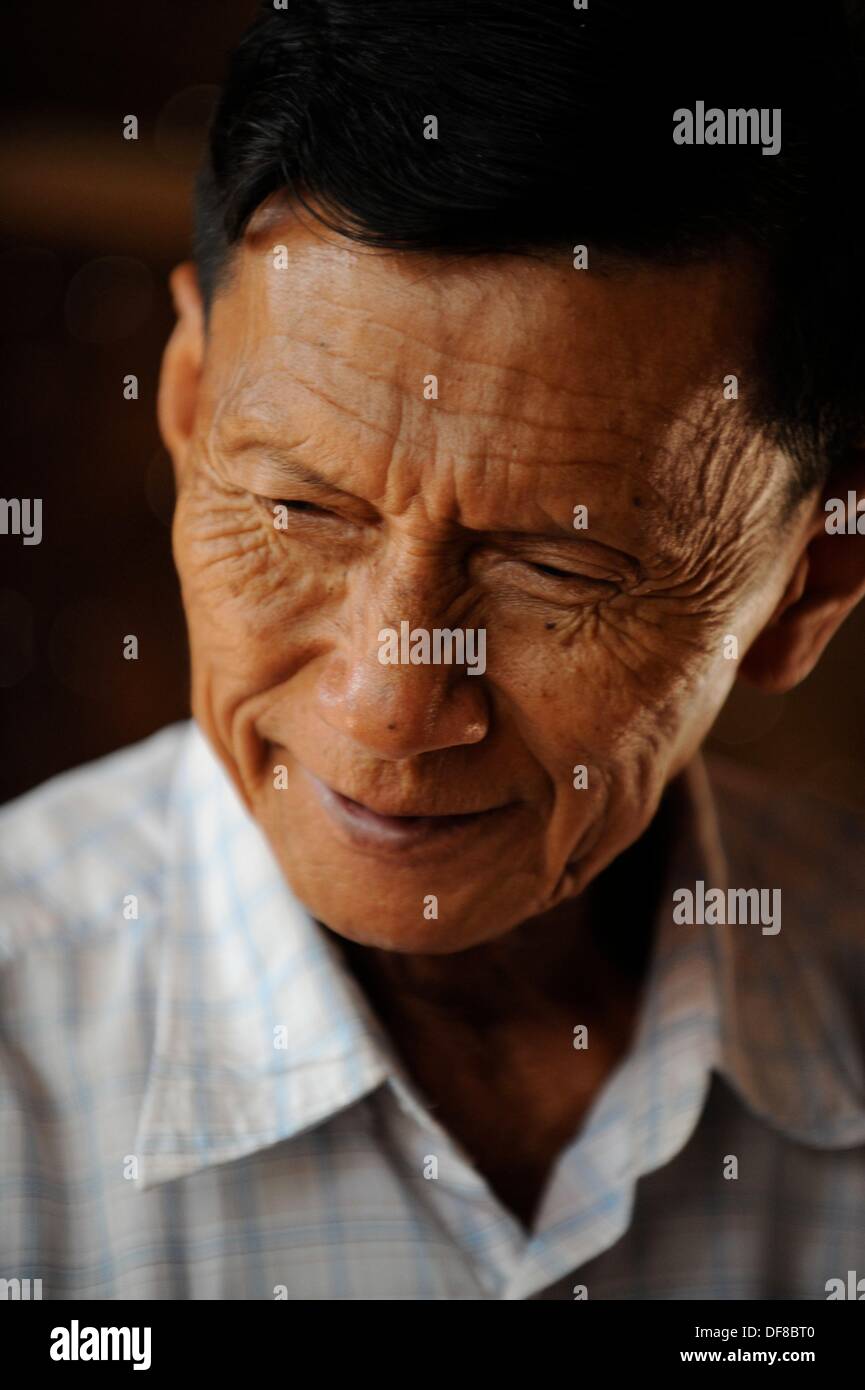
{"x":555,"y":388}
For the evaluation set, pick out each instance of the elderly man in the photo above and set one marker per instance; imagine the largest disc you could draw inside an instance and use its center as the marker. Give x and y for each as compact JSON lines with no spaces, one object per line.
{"x":429,"y":960}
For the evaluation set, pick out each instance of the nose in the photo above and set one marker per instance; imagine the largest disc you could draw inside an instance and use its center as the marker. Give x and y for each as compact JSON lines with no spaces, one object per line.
{"x":399,"y":710}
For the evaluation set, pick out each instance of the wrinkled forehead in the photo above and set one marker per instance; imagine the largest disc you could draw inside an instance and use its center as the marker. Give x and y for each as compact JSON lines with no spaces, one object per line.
{"x":394,"y":365}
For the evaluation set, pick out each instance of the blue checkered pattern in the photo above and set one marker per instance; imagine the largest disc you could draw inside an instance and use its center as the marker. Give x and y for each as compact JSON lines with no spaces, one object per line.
{"x":197,"y":1102}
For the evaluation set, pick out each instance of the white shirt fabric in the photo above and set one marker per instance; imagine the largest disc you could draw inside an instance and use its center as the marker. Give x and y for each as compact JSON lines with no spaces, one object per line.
{"x":199,"y":1103}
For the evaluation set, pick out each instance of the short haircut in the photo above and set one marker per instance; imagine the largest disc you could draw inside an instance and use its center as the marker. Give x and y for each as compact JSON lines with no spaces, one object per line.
{"x":555,"y":128}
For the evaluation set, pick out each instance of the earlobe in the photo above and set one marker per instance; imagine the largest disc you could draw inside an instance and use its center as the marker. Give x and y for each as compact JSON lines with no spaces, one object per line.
{"x":181,"y":366}
{"x":788,"y":649}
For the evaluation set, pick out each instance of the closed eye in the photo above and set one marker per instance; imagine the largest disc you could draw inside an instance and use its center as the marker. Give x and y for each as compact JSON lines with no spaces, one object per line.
{"x":570,"y":582}
{"x":556,"y":573}
{"x":294,"y":504}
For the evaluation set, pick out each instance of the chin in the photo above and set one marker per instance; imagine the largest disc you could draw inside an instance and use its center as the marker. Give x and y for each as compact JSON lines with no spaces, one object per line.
{"x":388,"y":921}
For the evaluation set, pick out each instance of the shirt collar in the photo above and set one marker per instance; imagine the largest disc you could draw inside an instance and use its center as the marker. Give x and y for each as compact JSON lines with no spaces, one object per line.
{"x":790,"y":1044}
{"x":261,"y":1032}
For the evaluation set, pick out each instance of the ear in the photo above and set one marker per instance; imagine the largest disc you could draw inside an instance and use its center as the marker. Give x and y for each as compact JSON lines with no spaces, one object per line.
{"x":827,"y":581}
{"x":181,"y":366}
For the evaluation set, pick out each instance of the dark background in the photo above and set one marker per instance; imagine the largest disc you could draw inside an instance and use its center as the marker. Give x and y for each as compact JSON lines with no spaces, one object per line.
{"x":90,"y":226}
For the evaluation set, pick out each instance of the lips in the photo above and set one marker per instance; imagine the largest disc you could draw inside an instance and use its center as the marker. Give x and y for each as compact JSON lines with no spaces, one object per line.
{"x":408,"y":814}
{"x":401,"y":817}
{"x":373,"y":829}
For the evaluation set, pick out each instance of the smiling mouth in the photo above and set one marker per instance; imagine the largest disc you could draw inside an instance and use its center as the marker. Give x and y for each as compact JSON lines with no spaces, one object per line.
{"x":371,"y":829}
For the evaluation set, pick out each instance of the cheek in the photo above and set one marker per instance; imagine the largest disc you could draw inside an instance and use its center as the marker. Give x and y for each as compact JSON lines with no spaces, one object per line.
{"x":602,"y":684}
{"x":253,"y":598}
{"x":625,"y":694}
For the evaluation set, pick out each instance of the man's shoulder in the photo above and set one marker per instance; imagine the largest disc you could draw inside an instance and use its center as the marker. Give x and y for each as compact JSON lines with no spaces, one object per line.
{"x":73,"y":849}
{"x":811,"y":848}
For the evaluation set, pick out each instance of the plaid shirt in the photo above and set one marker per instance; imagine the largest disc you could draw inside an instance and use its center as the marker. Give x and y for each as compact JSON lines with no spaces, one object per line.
{"x":198,"y":1102}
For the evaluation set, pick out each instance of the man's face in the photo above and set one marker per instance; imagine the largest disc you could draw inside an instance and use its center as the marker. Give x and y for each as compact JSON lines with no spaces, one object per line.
{"x":605,"y":644}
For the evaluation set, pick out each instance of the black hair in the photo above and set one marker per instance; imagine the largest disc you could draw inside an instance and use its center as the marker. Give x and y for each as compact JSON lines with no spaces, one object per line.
{"x":555,"y":127}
